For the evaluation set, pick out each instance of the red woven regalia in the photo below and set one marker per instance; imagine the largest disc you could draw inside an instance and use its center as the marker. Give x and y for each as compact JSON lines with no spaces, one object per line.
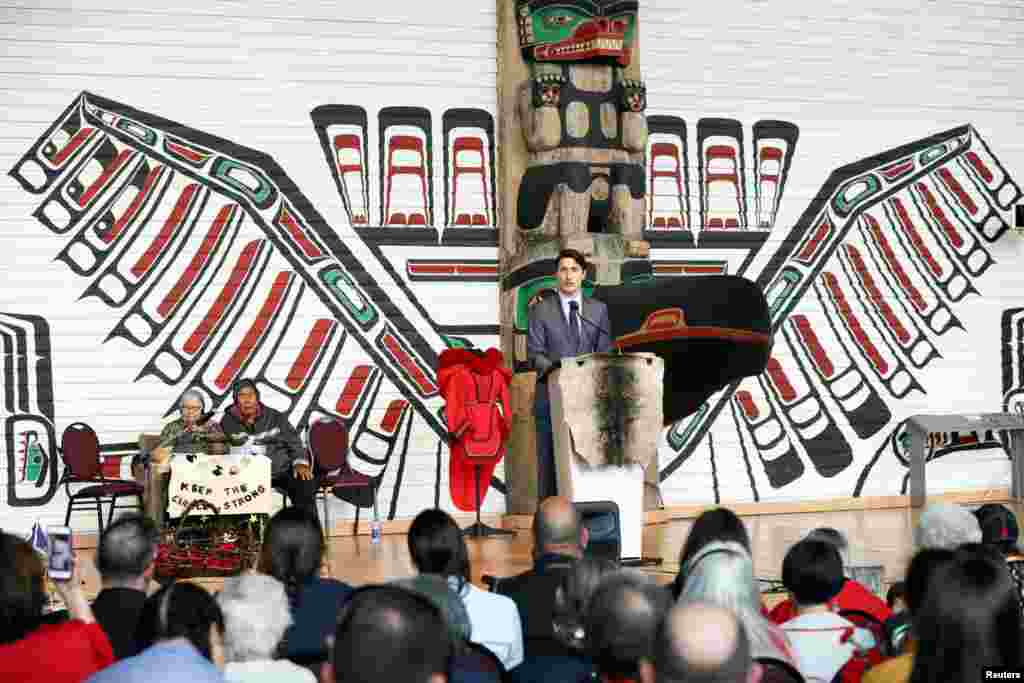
{"x":475,"y":390}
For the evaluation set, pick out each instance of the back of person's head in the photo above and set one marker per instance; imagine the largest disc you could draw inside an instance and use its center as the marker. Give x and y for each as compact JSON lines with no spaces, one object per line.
{"x":256,"y":615}
{"x":440,"y":593}
{"x":387,"y":633}
{"x":127,"y":548}
{"x":699,"y":643}
{"x":943,"y":525}
{"x":922,"y":567}
{"x":813,"y":572}
{"x":722,"y":574}
{"x":621,"y":621}
{"x":436,"y":545}
{"x":833,"y":536}
{"x":998,"y":527}
{"x":717,"y":524}
{"x":969,"y":619}
{"x":22,"y":588}
{"x":183,"y":610}
{"x":572,"y":596}
{"x":293,"y":549}
{"x":557,"y":526}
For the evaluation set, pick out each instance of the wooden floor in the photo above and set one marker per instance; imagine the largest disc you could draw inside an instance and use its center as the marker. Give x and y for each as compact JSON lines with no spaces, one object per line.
{"x":876,"y":536}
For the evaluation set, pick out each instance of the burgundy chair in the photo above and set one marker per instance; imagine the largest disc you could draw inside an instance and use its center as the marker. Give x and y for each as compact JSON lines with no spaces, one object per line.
{"x":80,"y":451}
{"x":328,"y":444}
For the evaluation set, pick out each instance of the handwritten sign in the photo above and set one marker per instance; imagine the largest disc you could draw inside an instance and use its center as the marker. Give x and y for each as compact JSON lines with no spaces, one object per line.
{"x":235,"y":484}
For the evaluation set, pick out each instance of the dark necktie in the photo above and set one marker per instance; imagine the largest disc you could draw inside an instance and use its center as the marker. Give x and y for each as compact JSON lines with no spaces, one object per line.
{"x":574,"y":324}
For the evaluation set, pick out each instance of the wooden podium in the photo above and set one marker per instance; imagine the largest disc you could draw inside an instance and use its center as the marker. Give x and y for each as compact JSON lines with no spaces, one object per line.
{"x":606,"y":415}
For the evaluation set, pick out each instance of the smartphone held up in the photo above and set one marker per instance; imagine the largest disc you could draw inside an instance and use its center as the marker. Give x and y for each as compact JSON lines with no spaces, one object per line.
{"x":61,"y":554}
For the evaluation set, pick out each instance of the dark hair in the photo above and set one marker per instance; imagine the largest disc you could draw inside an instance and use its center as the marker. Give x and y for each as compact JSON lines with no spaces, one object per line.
{"x":437,"y":547}
{"x":813,"y":572}
{"x":718,"y":524}
{"x":969,"y":619}
{"x":180,"y":610}
{"x":575,"y":255}
{"x":22,"y":589}
{"x":388,"y":633}
{"x":244,"y":383}
{"x":829,"y":535}
{"x":127,"y":547}
{"x":922,"y":566}
{"x":293,"y":549}
{"x":897,"y":591}
{"x":621,"y":622}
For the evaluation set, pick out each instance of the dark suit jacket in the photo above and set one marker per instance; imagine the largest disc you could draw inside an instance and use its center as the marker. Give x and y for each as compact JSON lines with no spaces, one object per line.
{"x":548,"y":340}
{"x":534,"y":595}
{"x":117,"y":612}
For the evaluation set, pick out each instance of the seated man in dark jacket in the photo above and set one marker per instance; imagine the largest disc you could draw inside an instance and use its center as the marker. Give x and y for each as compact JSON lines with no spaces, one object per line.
{"x":559,"y":540}
{"x":268,"y":431}
{"x":124,"y":559}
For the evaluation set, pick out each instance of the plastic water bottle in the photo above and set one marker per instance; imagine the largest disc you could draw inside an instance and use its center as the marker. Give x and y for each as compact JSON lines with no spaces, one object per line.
{"x":375,"y":526}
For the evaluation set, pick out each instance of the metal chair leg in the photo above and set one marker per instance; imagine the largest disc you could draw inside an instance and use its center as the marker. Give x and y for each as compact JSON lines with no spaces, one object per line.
{"x":327,"y":518}
{"x":99,"y":516}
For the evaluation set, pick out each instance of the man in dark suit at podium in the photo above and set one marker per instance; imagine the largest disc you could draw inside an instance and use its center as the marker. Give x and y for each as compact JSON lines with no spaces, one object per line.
{"x":562,"y":326}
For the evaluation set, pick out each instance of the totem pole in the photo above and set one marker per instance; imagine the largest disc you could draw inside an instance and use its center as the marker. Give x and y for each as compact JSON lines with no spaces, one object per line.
{"x":580,"y":111}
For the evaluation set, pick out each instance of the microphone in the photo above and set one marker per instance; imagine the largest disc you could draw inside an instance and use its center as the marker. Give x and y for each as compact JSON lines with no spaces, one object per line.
{"x":205,"y":417}
{"x":598,"y":328}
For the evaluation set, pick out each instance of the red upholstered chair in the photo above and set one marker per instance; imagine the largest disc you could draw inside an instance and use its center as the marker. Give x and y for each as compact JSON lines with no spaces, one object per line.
{"x":328,"y":444}
{"x":80,"y":451}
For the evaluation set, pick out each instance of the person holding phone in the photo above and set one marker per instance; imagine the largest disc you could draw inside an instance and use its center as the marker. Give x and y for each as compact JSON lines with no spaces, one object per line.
{"x":24,"y":633}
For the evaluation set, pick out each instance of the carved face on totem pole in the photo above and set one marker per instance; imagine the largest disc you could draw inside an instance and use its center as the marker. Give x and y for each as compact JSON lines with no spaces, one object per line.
{"x":600,"y":31}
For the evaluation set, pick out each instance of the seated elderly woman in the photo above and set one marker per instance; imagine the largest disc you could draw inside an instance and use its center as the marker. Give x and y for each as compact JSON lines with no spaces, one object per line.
{"x":25,"y":635}
{"x":256,"y":615}
{"x":722,"y":573}
{"x":190,"y":433}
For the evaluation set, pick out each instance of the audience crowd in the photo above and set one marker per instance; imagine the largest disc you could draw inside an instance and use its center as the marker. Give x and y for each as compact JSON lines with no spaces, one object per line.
{"x":571,"y":618}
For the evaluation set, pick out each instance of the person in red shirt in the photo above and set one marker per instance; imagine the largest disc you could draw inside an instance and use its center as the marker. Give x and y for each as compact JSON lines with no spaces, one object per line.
{"x":28,"y":644}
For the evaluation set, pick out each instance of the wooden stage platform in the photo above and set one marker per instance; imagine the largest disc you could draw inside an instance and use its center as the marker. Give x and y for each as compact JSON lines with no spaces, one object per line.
{"x":879,"y":531}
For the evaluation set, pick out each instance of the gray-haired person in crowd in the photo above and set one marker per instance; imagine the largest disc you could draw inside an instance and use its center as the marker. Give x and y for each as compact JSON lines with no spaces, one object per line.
{"x":947,"y":526}
{"x":722,"y":573}
{"x":256,"y":615}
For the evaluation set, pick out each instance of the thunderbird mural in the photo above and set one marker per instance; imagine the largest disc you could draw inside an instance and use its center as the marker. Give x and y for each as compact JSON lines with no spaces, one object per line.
{"x":213,"y":264}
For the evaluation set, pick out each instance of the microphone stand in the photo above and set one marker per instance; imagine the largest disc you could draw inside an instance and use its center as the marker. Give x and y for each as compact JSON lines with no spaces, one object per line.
{"x":599,"y":329}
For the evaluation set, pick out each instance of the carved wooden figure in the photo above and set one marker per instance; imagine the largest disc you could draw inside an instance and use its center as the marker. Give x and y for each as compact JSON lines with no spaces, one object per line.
{"x":585,"y":128}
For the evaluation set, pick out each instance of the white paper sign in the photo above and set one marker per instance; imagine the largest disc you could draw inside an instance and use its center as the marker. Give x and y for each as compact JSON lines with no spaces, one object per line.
{"x":235,"y":485}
